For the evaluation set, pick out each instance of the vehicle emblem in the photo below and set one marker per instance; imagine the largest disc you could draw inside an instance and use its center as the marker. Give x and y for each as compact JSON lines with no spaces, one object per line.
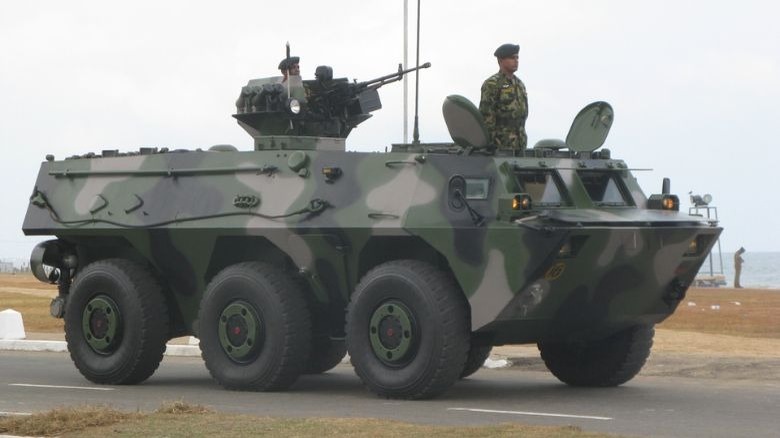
{"x":555,"y":271}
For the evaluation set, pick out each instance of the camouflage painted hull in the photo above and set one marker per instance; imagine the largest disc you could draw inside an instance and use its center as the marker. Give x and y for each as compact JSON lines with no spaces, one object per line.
{"x":573,"y":270}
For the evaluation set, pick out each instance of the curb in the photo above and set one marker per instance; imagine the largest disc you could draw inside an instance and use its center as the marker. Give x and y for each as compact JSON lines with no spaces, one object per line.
{"x":62,"y":347}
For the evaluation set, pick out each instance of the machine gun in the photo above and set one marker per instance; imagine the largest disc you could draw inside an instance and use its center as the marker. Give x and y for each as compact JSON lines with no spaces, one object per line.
{"x":392,"y":77}
{"x":340,"y":104}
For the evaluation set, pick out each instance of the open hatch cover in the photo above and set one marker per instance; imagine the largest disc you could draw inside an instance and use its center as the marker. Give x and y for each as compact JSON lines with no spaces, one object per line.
{"x":590,"y":128}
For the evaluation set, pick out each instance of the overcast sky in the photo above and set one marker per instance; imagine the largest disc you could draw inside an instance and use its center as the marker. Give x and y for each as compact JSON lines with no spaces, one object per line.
{"x":695,"y":84}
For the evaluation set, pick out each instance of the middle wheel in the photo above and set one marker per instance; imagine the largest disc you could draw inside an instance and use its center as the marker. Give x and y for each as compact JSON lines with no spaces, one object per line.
{"x":254,"y":328}
{"x":407,"y":330}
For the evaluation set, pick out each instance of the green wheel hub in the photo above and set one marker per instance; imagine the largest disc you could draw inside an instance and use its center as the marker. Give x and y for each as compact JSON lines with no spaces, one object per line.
{"x":240,"y":332}
{"x":101,"y":323}
{"x":392,"y":333}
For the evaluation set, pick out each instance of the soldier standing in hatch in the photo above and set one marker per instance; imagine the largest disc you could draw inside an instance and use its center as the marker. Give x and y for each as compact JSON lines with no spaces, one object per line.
{"x":738,"y":266}
{"x":289,"y":66}
{"x":504,"y":102}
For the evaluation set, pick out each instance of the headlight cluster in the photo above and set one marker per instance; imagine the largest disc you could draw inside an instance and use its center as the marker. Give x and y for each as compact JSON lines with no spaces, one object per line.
{"x":521,"y":202}
{"x":511,"y":207}
{"x":664,"y":202}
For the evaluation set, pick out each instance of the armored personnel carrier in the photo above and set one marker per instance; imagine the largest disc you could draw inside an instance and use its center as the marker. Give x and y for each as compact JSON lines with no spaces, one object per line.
{"x":417,"y":260}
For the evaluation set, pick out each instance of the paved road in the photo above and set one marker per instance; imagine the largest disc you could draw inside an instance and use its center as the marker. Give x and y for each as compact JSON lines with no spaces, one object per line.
{"x":647,"y":406}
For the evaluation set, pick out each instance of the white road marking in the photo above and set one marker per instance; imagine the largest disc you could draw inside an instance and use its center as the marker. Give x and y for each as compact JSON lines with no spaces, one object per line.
{"x":535,"y":414}
{"x":91,"y":388}
{"x":14,"y":414}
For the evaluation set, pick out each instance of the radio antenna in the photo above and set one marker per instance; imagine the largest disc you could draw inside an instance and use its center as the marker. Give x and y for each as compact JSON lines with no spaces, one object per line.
{"x":416,"y":135}
{"x":287,"y":68}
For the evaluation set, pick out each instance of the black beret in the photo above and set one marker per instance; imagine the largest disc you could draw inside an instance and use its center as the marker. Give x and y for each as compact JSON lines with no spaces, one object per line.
{"x":287,"y":62}
{"x":506,"y":50}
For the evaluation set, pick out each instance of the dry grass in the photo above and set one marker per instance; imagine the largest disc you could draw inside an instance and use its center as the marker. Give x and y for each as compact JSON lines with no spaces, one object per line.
{"x":30,"y":297}
{"x":186,"y":425}
{"x":182,"y":407}
{"x":714,"y":345}
{"x":753,"y":313}
{"x":26,"y":284}
{"x":63,"y":420}
{"x":182,"y":419}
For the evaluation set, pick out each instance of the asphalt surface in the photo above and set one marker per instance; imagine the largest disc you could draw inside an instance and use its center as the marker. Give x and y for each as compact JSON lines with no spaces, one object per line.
{"x":646,"y":406}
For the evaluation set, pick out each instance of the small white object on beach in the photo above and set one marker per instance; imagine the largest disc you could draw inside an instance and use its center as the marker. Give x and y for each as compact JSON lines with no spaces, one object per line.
{"x":715,"y":307}
{"x":691,"y":304}
{"x":737,"y":303}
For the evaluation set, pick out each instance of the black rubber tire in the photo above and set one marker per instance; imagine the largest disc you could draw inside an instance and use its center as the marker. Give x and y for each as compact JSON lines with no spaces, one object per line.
{"x":143,"y":324}
{"x":608,"y":362}
{"x":325,"y":354}
{"x":442,"y":330}
{"x":274,"y":297}
{"x":478,"y":354}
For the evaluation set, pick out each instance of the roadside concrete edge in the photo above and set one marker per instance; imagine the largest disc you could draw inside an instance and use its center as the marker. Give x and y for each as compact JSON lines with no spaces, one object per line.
{"x":62,"y":346}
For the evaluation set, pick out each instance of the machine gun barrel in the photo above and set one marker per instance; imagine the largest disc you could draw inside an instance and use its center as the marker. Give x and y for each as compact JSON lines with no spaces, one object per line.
{"x":392,"y":77}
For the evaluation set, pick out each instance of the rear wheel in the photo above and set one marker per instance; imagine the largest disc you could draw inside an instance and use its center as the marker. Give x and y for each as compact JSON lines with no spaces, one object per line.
{"x":407,"y":330}
{"x":254,"y":328}
{"x":116,"y":322}
{"x":478,"y":354}
{"x":607,"y":362}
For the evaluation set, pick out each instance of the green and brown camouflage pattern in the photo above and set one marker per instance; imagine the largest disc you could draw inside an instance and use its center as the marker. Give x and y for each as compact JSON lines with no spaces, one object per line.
{"x":569,"y":267}
{"x":191,"y":213}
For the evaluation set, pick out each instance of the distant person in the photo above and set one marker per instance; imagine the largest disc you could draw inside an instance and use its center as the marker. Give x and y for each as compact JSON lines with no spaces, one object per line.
{"x":289,"y":67}
{"x":504,"y":102}
{"x":738,"y":266}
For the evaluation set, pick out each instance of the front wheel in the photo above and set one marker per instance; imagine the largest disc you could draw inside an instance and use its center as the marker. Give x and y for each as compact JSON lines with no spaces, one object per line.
{"x":116,"y":322}
{"x":607,"y":362}
{"x":407,"y":330}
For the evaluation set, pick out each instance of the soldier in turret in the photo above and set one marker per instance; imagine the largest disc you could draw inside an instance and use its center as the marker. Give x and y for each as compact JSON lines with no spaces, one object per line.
{"x":504,"y":102}
{"x":289,"y":67}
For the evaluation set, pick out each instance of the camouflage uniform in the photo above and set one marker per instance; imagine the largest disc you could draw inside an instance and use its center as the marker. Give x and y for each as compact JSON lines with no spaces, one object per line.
{"x":504,"y":106}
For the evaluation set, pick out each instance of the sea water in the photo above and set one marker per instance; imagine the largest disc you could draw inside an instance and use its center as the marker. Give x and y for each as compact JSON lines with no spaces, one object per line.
{"x":760,"y":270}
